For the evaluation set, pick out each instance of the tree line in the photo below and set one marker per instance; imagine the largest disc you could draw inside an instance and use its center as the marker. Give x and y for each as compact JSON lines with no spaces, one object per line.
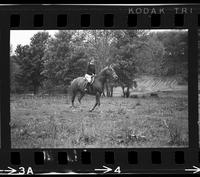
{"x":49,"y":63}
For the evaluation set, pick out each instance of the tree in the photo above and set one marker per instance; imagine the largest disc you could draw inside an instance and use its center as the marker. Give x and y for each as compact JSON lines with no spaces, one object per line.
{"x":22,"y":59}
{"x":15,"y":87}
{"x":150,"y":58}
{"x":64,"y":60}
{"x":126,"y":45}
{"x":98,"y":44}
{"x":135,"y":52}
{"x":53,"y":62}
{"x":175,"y":58}
{"x":123,"y":50}
{"x":29,"y":59}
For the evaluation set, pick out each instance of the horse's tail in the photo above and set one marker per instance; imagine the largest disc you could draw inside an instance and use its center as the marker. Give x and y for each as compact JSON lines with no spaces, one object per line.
{"x":70,"y":91}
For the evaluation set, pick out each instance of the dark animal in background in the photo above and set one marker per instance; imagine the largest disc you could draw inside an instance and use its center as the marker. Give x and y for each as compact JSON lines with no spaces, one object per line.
{"x":126,"y":89}
{"x":126,"y":92}
{"x":78,"y":85}
{"x":109,"y":85}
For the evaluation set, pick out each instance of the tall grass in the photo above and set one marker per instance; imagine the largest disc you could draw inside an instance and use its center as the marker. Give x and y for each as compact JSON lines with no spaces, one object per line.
{"x":175,"y":133}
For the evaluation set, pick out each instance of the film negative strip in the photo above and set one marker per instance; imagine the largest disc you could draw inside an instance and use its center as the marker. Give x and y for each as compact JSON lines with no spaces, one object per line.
{"x":139,"y":61}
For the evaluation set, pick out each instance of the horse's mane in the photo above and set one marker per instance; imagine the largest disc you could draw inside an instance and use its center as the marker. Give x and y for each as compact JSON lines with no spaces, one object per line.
{"x":102,"y":71}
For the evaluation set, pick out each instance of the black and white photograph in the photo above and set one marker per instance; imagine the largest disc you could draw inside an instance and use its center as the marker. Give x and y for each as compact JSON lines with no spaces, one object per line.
{"x":99,"y":88}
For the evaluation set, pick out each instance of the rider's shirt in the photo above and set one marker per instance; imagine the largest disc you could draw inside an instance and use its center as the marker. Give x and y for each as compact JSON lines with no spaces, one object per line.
{"x":90,"y":72}
{"x":88,"y":77}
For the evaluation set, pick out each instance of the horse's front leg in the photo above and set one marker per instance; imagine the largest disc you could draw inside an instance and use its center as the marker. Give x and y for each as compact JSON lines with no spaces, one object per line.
{"x":97,"y":101}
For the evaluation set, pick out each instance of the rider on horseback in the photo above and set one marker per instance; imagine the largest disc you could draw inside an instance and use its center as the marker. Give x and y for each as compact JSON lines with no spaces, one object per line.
{"x":90,"y":73}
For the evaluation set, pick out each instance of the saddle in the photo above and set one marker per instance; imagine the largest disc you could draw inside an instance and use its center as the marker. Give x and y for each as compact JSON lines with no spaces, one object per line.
{"x":88,"y":85}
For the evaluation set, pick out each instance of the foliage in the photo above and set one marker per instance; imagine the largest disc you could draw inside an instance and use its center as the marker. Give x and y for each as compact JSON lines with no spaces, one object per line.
{"x":64,"y":60}
{"x":16,"y":87}
{"x":175,"y":58}
{"x":29,"y":60}
{"x":51,"y":63}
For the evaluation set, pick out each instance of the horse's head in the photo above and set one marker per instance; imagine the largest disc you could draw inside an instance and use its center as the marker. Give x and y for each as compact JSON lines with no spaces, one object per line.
{"x":112,"y":72}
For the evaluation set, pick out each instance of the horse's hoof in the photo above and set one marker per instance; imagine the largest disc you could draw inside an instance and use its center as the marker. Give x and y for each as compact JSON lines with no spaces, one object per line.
{"x":90,"y":110}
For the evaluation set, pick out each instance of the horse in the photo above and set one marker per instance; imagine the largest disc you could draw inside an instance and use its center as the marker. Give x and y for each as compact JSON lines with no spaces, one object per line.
{"x":109,"y":85}
{"x":126,"y":88}
{"x":96,"y":88}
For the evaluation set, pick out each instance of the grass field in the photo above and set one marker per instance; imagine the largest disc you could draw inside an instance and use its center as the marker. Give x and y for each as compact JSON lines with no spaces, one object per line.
{"x":49,"y":122}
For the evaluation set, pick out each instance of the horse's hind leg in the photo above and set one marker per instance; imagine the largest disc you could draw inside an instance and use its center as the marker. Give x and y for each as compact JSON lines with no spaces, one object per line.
{"x":97,"y":102}
{"x":73,"y":98}
{"x":81,"y":96}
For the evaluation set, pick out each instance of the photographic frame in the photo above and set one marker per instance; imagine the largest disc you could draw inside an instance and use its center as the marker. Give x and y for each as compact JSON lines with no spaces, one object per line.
{"x":172,"y":159}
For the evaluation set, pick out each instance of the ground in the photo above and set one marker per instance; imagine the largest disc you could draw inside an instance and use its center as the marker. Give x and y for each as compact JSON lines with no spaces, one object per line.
{"x":146,"y":121}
